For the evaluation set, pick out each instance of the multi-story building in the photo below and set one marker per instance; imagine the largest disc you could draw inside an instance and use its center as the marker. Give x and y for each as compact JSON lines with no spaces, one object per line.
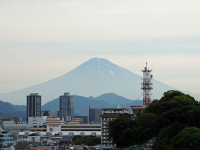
{"x":108,"y":114}
{"x":66,"y":107}
{"x":94,"y":115}
{"x":81,"y":129}
{"x":136,"y":110}
{"x":6,"y":142}
{"x":50,"y":113}
{"x":54,"y":124}
{"x":34,"y":115}
{"x":84,"y":119}
{"x":75,"y":121}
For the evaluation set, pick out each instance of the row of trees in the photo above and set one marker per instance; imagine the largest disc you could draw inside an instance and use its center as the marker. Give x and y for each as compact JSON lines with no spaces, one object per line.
{"x":174,"y":121}
{"x":87,"y":140}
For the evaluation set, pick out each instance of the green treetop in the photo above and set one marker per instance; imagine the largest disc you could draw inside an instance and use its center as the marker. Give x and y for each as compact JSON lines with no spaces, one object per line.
{"x":163,"y":119}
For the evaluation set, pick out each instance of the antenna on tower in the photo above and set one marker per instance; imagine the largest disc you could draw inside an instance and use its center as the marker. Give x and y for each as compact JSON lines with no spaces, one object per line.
{"x":147,"y":85}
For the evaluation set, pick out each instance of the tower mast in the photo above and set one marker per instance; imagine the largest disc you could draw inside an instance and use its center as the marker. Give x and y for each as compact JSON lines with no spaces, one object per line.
{"x":147,"y":85}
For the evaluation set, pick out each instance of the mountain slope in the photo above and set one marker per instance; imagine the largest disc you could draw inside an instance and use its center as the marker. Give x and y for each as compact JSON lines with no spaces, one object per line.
{"x":114,"y":99}
{"x":81,"y":103}
{"x":92,"y":78}
{"x":9,"y":110}
{"x":6,"y":107}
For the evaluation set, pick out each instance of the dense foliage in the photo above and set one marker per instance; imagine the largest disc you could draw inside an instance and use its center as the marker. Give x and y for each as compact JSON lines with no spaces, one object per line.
{"x":87,"y":140}
{"x":174,"y":121}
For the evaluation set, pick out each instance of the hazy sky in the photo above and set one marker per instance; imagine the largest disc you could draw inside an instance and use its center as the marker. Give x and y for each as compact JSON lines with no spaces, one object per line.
{"x":43,"y":39}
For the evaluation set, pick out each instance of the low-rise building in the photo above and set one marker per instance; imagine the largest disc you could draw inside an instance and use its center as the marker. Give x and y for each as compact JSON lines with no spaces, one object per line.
{"x":84,"y":119}
{"x":66,"y":130}
{"x":75,"y":121}
{"x":54,"y":124}
{"x":34,"y":138}
{"x":42,"y":148}
{"x":136,"y":110}
{"x":17,"y":127}
{"x":35,"y":121}
{"x":38,"y":129}
{"x":81,"y":129}
{"x":6,"y":142}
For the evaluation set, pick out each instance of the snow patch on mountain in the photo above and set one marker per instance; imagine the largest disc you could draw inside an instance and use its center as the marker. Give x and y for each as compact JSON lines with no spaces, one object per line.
{"x":113,"y":75}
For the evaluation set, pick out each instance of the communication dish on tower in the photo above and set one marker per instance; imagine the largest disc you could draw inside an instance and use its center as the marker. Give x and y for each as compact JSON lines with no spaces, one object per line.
{"x":147,"y":85}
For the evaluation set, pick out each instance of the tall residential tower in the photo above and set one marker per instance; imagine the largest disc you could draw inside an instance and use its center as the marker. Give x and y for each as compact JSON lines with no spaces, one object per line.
{"x":34,"y":116}
{"x":66,"y":107}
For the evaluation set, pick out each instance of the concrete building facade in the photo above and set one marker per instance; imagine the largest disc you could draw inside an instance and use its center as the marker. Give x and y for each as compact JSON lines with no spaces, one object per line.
{"x":81,"y":129}
{"x":94,"y":115}
{"x":75,"y":129}
{"x":84,"y":119}
{"x":109,"y":114}
{"x":6,"y":142}
{"x":34,"y":114}
{"x":54,"y":124}
{"x":66,"y":107}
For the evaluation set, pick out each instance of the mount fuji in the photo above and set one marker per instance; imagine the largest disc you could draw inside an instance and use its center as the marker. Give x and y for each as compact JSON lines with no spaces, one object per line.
{"x":92,"y":78}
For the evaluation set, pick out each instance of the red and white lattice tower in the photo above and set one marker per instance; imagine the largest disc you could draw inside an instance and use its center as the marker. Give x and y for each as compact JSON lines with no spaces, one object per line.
{"x":147,"y":86}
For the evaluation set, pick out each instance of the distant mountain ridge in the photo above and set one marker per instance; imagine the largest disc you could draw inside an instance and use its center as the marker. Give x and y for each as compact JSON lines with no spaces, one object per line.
{"x":9,"y":110}
{"x":81,"y":105}
{"x":92,"y":78}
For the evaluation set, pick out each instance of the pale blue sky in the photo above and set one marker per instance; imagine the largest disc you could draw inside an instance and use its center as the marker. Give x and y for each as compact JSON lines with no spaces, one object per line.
{"x":43,"y":39}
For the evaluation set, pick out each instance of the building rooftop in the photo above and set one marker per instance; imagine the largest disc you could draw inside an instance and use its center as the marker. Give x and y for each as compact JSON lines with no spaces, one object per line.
{"x":34,"y":134}
{"x":33,"y":94}
{"x":115,"y":108}
{"x":66,"y":94}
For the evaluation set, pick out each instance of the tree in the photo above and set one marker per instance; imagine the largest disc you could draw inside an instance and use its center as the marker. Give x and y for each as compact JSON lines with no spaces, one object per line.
{"x":187,"y":139}
{"x":120,"y":130}
{"x":93,"y":140}
{"x":166,"y":119}
{"x":164,"y":139}
{"x":78,"y":140}
{"x":148,"y":125}
{"x":87,"y":140}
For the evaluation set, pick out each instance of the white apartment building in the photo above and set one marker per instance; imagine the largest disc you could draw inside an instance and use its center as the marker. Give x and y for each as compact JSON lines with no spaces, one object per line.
{"x":55,"y":125}
{"x":108,"y":114}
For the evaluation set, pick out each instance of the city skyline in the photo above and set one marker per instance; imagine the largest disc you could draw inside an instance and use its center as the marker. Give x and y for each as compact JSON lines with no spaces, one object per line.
{"x":42,"y":40}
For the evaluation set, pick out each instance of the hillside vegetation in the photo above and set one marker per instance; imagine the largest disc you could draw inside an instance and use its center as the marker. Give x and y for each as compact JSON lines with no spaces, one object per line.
{"x":173,"y":121}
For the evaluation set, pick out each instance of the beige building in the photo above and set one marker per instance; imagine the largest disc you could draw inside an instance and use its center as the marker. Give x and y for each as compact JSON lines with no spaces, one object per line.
{"x":75,"y":121}
{"x":54,"y":124}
